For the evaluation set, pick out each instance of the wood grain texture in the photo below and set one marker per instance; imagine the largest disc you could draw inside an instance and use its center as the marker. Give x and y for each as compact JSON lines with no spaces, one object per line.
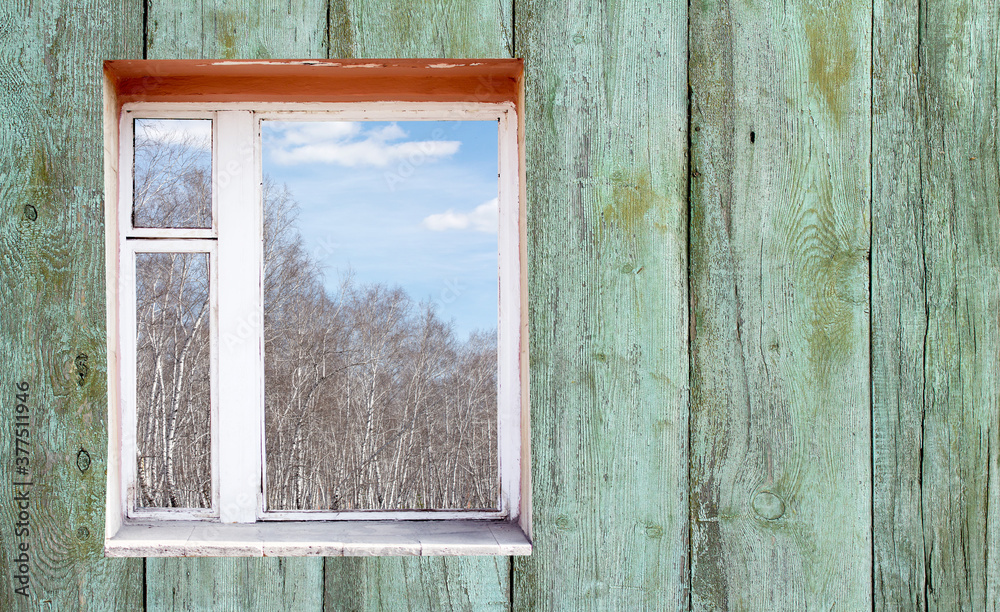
{"x":960,"y":188}
{"x":401,"y":28}
{"x":791,"y":136}
{"x":230,"y":29}
{"x":606,"y":137}
{"x":413,"y":583}
{"x":195,"y":29}
{"x":780,"y":434}
{"x":899,"y":322}
{"x":52,"y":292}
{"x":240,"y":584}
{"x":418,"y":28}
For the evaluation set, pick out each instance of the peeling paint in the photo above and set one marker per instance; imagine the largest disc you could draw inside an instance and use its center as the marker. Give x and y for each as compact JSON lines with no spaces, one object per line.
{"x":832,"y":56}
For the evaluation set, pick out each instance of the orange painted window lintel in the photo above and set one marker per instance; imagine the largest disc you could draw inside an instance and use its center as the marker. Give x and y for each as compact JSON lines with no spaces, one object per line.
{"x":431,"y":80}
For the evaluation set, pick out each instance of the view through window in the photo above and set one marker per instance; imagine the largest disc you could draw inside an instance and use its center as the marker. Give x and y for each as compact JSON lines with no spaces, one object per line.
{"x":380,"y":293}
{"x":380,"y":314}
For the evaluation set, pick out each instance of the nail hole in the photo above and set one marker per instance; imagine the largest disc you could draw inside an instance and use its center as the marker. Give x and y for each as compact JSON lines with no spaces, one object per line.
{"x":81,"y":368}
{"x":753,"y":137}
{"x":82,"y":460}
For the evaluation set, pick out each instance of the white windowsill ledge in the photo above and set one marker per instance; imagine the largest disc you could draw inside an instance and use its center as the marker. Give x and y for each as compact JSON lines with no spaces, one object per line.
{"x":314,"y":538}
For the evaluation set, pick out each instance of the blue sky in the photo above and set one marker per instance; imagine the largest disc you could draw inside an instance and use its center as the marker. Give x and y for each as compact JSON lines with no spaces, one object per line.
{"x":404,"y":203}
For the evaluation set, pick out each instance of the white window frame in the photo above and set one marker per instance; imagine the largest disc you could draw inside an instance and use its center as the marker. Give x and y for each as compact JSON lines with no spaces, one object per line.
{"x":238,"y":450}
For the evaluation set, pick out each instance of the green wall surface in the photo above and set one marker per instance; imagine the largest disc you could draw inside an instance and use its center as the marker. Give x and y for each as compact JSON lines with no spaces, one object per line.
{"x":764,"y":280}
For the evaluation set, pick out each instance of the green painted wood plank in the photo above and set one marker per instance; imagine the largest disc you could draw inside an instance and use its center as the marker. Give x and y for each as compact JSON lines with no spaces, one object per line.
{"x":274,"y":584}
{"x":418,"y":28}
{"x":52,"y":291}
{"x":410,"y":583}
{"x":606,"y":138}
{"x":211,"y":29}
{"x":443,"y":28}
{"x":961,"y":232}
{"x":780,"y":435}
{"x":899,"y":321}
{"x":182,"y":29}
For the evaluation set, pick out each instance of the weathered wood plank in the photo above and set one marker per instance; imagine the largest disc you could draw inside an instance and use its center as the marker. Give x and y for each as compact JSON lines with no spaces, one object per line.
{"x":780,"y":436}
{"x":248,"y":29}
{"x":899,"y":322}
{"x":52,"y":291}
{"x":274,"y":584}
{"x":606,"y":137}
{"x":412,"y":583}
{"x":182,"y":29}
{"x":442,"y":28}
{"x":960,"y":188}
{"x":445,"y":28}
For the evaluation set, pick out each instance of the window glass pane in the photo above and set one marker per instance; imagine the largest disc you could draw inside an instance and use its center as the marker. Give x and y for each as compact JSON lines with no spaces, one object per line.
{"x":173,"y":390}
{"x":380,"y":315}
{"x":172,"y":184}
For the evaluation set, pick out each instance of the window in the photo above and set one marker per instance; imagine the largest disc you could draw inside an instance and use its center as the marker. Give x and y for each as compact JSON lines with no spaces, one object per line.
{"x":316,"y":308}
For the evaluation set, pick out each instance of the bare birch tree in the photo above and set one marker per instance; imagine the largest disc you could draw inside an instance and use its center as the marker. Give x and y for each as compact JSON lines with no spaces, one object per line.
{"x":371,"y":402}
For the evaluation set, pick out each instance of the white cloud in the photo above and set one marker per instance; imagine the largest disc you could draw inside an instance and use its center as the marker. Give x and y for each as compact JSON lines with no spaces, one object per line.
{"x":484,"y":218}
{"x":311,"y":132}
{"x":368,"y":152}
{"x":347,"y":143}
{"x":389,"y":132}
{"x":195,"y":133}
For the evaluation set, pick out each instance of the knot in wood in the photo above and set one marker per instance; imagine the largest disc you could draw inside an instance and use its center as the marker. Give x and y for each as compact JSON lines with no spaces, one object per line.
{"x":82,"y":460}
{"x":768,"y":506}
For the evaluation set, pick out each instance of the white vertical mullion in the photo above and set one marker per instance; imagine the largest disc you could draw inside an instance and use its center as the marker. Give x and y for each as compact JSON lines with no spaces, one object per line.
{"x":240,"y":318}
{"x":508,"y":331}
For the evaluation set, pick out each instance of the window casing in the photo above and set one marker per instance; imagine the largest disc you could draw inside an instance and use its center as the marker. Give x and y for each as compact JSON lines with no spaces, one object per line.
{"x":238,"y":521}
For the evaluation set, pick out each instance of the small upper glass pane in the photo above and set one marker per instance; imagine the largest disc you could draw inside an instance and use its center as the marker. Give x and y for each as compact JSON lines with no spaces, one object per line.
{"x":172,"y":182}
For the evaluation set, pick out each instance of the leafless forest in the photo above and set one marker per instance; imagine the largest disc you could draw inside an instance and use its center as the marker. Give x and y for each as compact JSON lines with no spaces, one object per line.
{"x":371,"y":401}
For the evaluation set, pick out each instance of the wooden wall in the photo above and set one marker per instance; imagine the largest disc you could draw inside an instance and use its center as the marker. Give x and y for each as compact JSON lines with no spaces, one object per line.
{"x":764,"y":295}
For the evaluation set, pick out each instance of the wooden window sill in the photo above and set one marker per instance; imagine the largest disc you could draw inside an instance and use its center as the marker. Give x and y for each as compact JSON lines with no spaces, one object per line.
{"x":314,"y":538}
